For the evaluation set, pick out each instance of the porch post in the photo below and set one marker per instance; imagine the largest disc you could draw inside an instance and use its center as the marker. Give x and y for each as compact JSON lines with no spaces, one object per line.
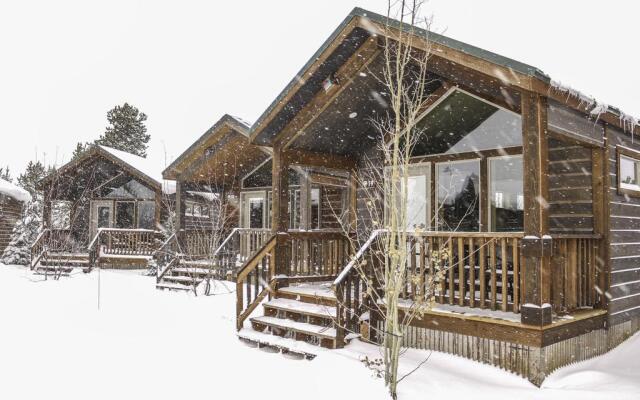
{"x":46,"y":206}
{"x":180,"y":211}
{"x":280,"y":208}
{"x":536,"y":245}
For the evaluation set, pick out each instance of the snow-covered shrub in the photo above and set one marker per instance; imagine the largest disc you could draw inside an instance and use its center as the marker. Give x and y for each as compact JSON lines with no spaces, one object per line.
{"x":24,"y":234}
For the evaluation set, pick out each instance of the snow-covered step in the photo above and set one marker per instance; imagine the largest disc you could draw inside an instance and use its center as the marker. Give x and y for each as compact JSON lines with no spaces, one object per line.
{"x":173,"y":286}
{"x":310,"y":293}
{"x":325,"y":336}
{"x":181,"y":279}
{"x":285,"y":345}
{"x":186,"y":270}
{"x":298,"y":307}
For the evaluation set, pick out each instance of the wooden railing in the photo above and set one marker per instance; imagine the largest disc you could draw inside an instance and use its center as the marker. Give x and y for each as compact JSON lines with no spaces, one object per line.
{"x":238,"y":247}
{"x":255,"y":280}
{"x":51,"y":240}
{"x":166,"y":256}
{"x":113,"y":242}
{"x":573,"y":272}
{"x":316,"y":253}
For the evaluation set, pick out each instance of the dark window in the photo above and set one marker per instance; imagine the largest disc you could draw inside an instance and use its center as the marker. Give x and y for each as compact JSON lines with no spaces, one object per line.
{"x":458,"y":196}
{"x":104,"y":217}
{"x":506,"y":194}
{"x":146,"y":214}
{"x":462,"y":123}
{"x":256,"y":213}
{"x":125,"y":214}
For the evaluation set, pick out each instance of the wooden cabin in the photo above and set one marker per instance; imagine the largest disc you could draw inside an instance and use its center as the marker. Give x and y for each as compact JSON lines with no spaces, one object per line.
{"x":208,"y":179}
{"x":542,"y":271}
{"x":103,"y":208}
{"x":237,"y":177}
{"x":12,"y":201}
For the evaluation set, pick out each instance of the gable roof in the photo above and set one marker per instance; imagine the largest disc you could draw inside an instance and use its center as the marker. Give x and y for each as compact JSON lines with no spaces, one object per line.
{"x":303,"y":87}
{"x":234,"y":123}
{"x":137,"y":166}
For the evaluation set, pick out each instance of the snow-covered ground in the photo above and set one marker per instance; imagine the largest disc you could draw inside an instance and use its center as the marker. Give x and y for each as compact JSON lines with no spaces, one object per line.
{"x":145,"y":344}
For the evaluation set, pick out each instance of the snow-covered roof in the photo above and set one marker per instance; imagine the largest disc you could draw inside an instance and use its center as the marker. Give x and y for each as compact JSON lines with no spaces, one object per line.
{"x":143,"y":165}
{"x":11,"y":190}
{"x":208,"y":196}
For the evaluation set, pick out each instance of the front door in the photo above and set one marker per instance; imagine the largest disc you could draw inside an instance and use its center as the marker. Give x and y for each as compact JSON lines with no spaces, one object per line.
{"x":101,"y":215}
{"x":253,"y":210}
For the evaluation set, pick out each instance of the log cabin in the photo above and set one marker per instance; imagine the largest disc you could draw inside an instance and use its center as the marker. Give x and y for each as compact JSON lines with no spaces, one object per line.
{"x":12,"y":202}
{"x":541,"y":272}
{"x":236,"y":175}
{"x":208,"y":232}
{"x":101,"y":209}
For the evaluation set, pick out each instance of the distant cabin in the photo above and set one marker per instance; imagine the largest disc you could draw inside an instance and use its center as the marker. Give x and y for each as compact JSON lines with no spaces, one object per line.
{"x":104,"y":207}
{"x":12,"y":200}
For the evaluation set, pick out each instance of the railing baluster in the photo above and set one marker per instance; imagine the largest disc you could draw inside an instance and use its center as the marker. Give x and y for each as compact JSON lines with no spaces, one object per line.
{"x":483,"y":273}
{"x":516,"y":276}
{"x":505,"y":273}
{"x":451,"y":272}
{"x":461,"y":280}
{"x":472,"y":274}
{"x":492,"y":265}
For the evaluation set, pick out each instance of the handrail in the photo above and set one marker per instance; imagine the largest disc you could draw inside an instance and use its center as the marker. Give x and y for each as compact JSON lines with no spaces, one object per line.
{"x":253,"y":260}
{"x":165,"y":243}
{"x":249,"y":274}
{"x":347,"y":269}
{"x":35,"y":258}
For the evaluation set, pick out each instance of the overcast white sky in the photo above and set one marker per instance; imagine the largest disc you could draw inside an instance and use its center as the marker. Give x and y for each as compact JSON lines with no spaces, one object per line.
{"x":64,"y":64}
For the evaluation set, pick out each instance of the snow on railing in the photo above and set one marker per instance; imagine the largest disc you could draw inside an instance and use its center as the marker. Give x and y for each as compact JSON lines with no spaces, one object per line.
{"x":345,"y":271}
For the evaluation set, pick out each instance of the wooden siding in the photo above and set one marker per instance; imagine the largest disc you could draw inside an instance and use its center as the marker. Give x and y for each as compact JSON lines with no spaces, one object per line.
{"x":10,"y":213}
{"x":624,"y":235}
{"x":332,"y":207}
{"x":570,"y":188}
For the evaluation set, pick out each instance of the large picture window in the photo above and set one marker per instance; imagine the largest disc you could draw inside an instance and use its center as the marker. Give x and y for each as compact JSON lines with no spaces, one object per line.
{"x":506,"y":198}
{"x":461,"y":122}
{"x":418,"y":197}
{"x":458,"y":190}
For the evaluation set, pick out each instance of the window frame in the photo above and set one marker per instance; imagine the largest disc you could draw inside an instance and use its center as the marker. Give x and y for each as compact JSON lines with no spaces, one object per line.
{"x":628,"y":153}
{"x":488,"y":186}
{"x":481,"y":186}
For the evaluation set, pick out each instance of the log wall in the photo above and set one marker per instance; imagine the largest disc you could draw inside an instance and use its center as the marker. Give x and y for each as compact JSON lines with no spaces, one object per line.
{"x":624,"y":236}
{"x":10,"y":213}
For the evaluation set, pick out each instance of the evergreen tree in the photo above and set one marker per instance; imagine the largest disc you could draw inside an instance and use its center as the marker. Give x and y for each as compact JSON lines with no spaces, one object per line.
{"x":32,"y":175}
{"x":24,"y":234}
{"x":6,"y":174}
{"x":80,"y":148}
{"x":126,"y":130}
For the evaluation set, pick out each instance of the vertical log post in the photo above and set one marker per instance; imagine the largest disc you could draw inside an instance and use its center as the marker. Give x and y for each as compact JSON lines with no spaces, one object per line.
{"x":536,"y":245}
{"x":180,"y":212}
{"x":280,"y":209}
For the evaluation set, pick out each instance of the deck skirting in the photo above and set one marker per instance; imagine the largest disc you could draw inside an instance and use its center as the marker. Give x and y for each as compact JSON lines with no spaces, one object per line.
{"x":531,"y":362}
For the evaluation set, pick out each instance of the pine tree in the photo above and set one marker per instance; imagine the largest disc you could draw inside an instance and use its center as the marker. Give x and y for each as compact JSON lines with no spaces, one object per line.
{"x":32,"y":175}
{"x":80,"y":148}
{"x":24,"y":234}
{"x":126,"y":130}
{"x":6,"y":174}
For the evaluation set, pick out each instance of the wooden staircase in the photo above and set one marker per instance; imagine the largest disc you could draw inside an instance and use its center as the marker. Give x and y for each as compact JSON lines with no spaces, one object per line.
{"x":185,"y":275}
{"x":306,"y":312}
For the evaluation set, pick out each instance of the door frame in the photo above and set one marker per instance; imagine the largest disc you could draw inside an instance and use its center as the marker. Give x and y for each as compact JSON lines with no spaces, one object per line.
{"x":244,"y":202}
{"x":93,"y":219}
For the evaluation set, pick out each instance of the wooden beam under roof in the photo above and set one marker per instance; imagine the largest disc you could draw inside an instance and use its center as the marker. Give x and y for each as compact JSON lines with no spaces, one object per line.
{"x":310,"y":158}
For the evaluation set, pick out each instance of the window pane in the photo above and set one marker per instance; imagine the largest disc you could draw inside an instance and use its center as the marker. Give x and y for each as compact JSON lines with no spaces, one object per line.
{"x":125,"y":212}
{"x":463,"y":123}
{"x":458,"y":196}
{"x":131,"y":190}
{"x":506,"y":194}
{"x":629,"y":173}
{"x":418,"y":198}
{"x":256,"y":211}
{"x":146,"y":214}
{"x":104,"y":217}
{"x":315,"y":208}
